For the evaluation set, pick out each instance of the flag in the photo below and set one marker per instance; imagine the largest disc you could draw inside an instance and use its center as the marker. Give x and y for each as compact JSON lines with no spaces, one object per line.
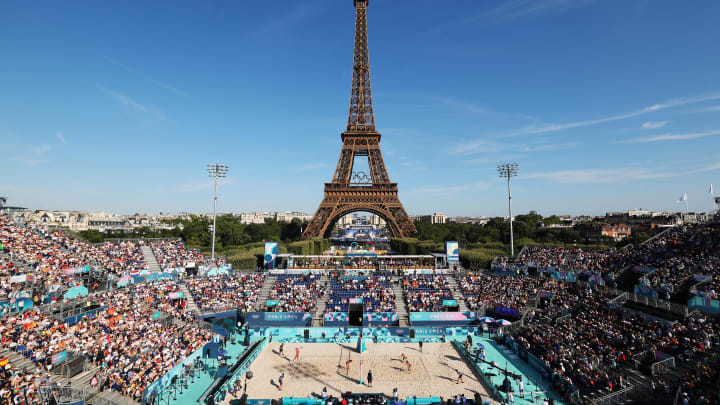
{"x":683,"y":198}
{"x":4,"y":362}
{"x":711,"y":190}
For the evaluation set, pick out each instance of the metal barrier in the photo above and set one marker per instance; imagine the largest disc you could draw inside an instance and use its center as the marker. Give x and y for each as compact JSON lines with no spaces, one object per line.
{"x":662,"y":366}
{"x":67,"y":394}
{"x":73,"y":365}
{"x":616,"y":397}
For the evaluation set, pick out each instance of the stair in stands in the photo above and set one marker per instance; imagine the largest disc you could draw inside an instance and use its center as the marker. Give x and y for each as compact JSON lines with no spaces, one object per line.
{"x":150,"y":259}
{"x":265,"y":292}
{"x":189,"y":300}
{"x":19,"y":360}
{"x":457,"y":293}
{"x":318,"y":316}
{"x":400,"y":304}
{"x":113,"y":397}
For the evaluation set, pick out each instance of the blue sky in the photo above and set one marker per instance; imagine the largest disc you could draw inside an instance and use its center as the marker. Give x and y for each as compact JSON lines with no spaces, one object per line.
{"x":606,"y":105}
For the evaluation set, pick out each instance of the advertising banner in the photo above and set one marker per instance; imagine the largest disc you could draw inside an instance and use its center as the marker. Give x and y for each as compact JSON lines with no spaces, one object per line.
{"x":369,"y":319}
{"x":15,"y":305}
{"x":279,"y":318}
{"x":442,"y":318}
{"x":271,"y":251}
{"x":20,"y":278}
{"x":452,"y":250}
{"x":501,"y":312}
{"x":58,"y":357}
{"x":429,"y":331}
{"x":706,"y":305}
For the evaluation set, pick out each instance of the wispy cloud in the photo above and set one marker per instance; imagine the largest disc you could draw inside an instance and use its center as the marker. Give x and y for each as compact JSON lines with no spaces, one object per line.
{"x":42,"y":149}
{"x":298,"y":13}
{"x":587,"y":176}
{"x":123,"y":99}
{"x":712,"y":108}
{"x":476,"y":109}
{"x":654,"y":125}
{"x":312,"y":166}
{"x":677,"y":102}
{"x":514,"y":9}
{"x":201,"y":185}
{"x":34,"y":157}
{"x":511,"y":10}
{"x":61,"y":137}
{"x":489,"y":146}
{"x":28,"y":161}
{"x":618,"y":175}
{"x":673,"y":137}
{"x":143,"y":76}
{"x":480,"y":185}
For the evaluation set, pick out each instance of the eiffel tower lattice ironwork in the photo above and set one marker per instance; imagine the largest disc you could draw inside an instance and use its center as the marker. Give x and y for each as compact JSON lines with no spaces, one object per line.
{"x":352,"y":191}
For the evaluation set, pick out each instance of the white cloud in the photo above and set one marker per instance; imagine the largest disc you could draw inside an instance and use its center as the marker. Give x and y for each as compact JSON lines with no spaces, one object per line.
{"x":485,"y":146}
{"x":712,"y":108}
{"x":598,"y":175}
{"x":619,"y":175}
{"x":654,"y":125}
{"x":142,"y":75}
{"x":61,"y":137}
{"x":123,"y":99}
{"x":673,"y":137}
{"x":677,"y":102}
{"x":312,"y":166}
{"x":481,"y":185}
{"x":202,"y":185}
{"x":28,"y":161}
{"x":42,"y":149}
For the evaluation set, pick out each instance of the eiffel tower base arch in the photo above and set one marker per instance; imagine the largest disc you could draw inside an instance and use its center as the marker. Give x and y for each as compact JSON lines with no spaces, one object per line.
{"x":380,"y":200}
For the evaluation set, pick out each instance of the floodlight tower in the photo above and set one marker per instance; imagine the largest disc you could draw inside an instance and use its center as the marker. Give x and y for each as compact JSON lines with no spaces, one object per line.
{"x":509,"y":170}
{"x":216,"y":171}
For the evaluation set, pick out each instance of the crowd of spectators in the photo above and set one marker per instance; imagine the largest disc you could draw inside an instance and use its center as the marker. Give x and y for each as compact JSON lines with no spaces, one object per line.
{"x":426,"y":292}
{"x":50,"y":254}
{"x":20,"y":386}
{"x":7,"y":270}
{"x":316,"y":262}
{"x":226,"y":292}
{"x":131,"y":349}
{"x":172,"y":254}
{"x":296,"y":293}
{"x":580,"y":337}
{"x":486,"y":290}
{"x":376,"y":292}
{"x":674,"y":256}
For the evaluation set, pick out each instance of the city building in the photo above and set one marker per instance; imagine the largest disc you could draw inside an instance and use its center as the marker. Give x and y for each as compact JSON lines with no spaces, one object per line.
{"x":435,"y":218}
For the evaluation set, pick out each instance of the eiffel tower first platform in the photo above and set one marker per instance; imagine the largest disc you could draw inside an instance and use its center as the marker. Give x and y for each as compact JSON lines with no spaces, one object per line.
{"x":352,"y":191}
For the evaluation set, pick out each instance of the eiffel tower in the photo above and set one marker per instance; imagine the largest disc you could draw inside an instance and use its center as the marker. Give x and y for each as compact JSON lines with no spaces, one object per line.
{"x":352,"y":191}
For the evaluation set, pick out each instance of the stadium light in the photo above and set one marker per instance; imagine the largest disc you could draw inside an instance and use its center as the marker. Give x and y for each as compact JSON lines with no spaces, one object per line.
{"x":509,"y":170}
{"x":216,"y":171}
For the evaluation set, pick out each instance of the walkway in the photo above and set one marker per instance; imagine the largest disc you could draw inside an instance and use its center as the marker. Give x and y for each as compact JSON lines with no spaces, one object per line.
{"x":150,"y":259}
{"x":400,"y":304}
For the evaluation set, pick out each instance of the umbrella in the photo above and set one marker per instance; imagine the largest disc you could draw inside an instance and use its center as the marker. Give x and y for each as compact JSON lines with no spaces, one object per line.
{"x":486,"y":319}
{"x":223,"y":352}
{"x":480,"y":345}
{"x":503,"y":322}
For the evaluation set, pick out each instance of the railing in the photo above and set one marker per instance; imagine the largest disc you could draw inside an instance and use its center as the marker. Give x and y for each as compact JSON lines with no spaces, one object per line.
{"x":67,"y":394}
{"x":73,"y":365}
{"x":668,"y":306}
{"x":616,"y":397}
{"x":662,"y":366}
